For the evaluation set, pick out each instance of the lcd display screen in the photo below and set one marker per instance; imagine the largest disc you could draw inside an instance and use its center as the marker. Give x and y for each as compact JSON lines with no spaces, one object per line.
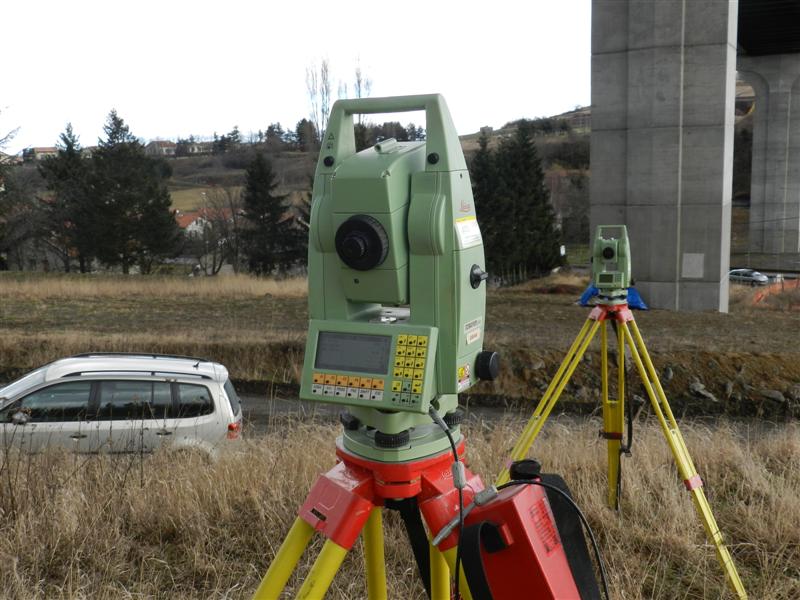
{"x":353,"y":352}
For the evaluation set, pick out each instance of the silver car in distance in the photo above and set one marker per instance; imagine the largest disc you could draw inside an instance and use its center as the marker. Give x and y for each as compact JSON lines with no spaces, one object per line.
{"x":122,"y":403}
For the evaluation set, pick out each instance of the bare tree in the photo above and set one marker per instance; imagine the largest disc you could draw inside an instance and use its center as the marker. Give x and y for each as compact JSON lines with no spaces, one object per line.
{"x":318,"y":85}
{"x":219,"y":240}
{"x":362,"y":85}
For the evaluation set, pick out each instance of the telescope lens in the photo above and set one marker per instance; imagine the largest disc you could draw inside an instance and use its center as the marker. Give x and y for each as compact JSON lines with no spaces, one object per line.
{"x":362,"y":243}
{"x":608,"y":253}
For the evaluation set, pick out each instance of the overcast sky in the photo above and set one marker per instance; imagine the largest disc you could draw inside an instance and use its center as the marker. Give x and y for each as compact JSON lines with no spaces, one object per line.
{"x":174,"y":68}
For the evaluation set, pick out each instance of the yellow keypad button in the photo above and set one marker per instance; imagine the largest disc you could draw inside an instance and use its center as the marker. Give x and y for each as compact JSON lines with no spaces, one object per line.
{"x":422,"y":352}
{"x":397,"y":385}
{"x":377,"y":384}
{"x":461,"y":372}
{"x":364,"y":383}
{"x":397,"y":372}
{"x":401,"y":351}
{"x":416,"y":387}
{"x":408,"y":373}
{"x":353,"y":381}
{"x":341,"y":380}
{"x":318,"y":378}
{"x":330,"y":379}
{"x":412,"y":340}
{"x":422,"y":340}
{"x":401,"y":340}
{"x":418,"y":374}
{"x":400,"y":362}
{"x":419,"y":363}
{"x":409,"y":362}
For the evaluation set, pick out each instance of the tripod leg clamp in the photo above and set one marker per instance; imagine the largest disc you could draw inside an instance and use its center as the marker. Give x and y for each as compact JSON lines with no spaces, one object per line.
{"x":693,"y":482}
{"x":610,"y":435}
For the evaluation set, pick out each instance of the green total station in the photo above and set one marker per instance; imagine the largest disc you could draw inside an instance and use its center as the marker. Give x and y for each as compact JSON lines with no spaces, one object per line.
{"x":396,"y":282}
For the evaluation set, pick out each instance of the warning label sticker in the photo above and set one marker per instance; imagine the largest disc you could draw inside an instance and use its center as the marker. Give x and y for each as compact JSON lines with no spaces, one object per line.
{"x":472,"y":330}
{"x":463,"y":377}
{"x":468,"y":232}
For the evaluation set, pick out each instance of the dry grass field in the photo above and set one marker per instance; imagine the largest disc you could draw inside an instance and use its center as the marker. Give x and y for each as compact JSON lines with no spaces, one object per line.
{"x":167,"y":527}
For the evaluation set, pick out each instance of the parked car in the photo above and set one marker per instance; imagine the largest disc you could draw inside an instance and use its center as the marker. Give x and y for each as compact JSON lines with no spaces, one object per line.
{"x":121,"y":403}
{"x":748,"y":276}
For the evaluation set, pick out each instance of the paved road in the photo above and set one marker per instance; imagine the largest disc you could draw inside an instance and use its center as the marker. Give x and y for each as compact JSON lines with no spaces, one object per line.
{"x":258,"y":410}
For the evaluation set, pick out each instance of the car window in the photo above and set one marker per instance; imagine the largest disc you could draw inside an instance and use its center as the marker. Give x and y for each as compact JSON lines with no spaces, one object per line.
{"x":60,"y":402}
{"x":194,"y":400}
{"x":233,"y":397}
{"x":134,"y":400}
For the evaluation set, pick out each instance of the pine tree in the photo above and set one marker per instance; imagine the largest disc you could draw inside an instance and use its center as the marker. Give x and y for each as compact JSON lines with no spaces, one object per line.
{"x":268,"y":239}
{"x":528,"y":242}
{"x":483,"y":174}
{"x":132,"y":220}
{"x":67,"y":215}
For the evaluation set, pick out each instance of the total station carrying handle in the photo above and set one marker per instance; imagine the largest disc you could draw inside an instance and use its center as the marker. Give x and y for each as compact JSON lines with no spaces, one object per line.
{"x":443,"y":148}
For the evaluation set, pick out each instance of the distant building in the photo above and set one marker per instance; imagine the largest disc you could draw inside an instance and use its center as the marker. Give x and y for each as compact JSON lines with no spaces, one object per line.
{"x":160,"y":148}
{"x":39,"y":153}
{"x":9,"y":159}
{"x":89,"y":151}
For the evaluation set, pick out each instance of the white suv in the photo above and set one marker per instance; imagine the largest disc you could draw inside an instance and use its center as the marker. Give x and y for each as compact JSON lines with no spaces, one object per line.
{"x":116,"y":402}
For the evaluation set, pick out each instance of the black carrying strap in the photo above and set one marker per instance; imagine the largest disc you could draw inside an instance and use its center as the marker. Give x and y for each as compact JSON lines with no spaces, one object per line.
{"x":573,"y":540}
{"x":409,"y":513}
{"x":472,"y":537}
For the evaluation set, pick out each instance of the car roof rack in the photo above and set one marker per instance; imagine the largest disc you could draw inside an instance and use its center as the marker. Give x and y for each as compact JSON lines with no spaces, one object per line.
{"x":140,"y":355}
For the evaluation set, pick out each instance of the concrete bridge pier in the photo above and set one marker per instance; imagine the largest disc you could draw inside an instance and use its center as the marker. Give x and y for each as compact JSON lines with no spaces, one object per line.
{"x":775,"y":187}
{"x":663,"y":80}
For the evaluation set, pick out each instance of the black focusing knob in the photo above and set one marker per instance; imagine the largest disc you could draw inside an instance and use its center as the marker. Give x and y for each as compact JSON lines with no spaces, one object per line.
{"x":487,"y":365}
{"x":392,"y":440}
{"x":525,"y":470}
{"x":476,"y":275}
{"x":362,"y":243}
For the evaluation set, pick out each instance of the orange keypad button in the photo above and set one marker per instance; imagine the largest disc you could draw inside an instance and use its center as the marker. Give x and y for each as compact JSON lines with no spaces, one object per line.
{"x":341,"y":380}
{"x":352,"y":381}
{"x":377,"y":384}
{"x":364,"y":383}
{"x":318,"y":378}
{"x":330,"y":379}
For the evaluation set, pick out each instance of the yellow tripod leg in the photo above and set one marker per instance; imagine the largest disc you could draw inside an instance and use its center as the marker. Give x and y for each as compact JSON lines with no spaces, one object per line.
{"x":373,"y":556}
{"x":551,"y":396}
{"x":463,"y":586}
{"x":669,"y":426}
{"x":321,"y":576}
{"x":285,"y":561}
{"x":440,"y":575}
{"x":613,"y":414}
